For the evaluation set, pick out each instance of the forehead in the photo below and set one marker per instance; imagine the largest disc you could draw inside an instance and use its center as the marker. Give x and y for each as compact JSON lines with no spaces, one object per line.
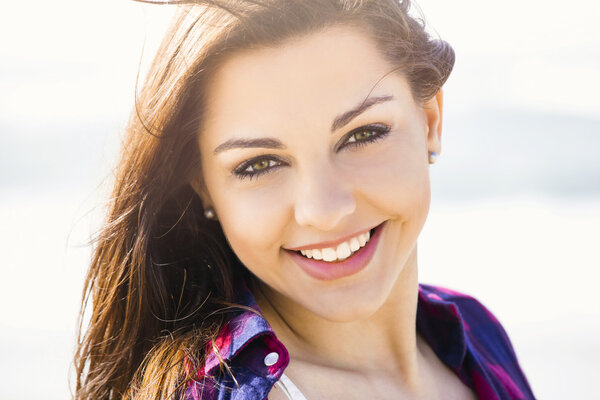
{"x":305,"y":80}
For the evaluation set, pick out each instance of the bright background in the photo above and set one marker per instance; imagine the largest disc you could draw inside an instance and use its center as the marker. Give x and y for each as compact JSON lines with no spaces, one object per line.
{"x":515,"y":219}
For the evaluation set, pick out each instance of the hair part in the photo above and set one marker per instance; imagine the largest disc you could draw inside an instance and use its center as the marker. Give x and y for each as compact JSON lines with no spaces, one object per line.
{"x":162,"y":277}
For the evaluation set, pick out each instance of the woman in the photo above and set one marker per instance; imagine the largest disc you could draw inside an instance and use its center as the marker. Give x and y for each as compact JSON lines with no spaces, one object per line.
{"x":261,"y":239}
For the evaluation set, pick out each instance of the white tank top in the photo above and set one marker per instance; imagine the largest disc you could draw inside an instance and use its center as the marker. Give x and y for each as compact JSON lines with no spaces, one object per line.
{"x":289,"y":389}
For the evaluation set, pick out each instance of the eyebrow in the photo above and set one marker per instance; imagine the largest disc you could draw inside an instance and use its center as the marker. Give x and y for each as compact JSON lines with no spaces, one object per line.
{"x":266,"y":143}
{"x":272,"y":143}
{"x":345,"y":118}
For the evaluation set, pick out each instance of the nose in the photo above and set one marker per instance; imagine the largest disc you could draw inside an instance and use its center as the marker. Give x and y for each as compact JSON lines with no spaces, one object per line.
{"x":323,"y":199}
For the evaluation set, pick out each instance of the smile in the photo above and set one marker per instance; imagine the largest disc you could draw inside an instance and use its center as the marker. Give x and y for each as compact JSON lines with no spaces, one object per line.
{"x":341,"y":252}
{"x":344,"y":259}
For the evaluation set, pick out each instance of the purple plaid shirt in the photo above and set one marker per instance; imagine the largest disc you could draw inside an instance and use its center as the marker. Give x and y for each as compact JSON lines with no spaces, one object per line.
{"x":460,"y":330}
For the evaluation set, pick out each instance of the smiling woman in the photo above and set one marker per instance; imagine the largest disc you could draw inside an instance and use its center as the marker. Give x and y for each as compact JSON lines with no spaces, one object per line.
{"x":265,"y":217}
{"x":340,"y":151}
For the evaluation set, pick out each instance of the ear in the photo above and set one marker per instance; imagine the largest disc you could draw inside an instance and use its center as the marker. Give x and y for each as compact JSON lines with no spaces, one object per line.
{"x":198,"y":185}
{"x":433,"y":113}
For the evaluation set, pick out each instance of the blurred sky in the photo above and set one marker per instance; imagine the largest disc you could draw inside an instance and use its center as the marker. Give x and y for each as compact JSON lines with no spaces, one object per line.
{"x":515,"y":218}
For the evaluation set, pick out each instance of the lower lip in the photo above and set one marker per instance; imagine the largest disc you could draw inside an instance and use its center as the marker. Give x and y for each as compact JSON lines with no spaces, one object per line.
{"x":327,"y":271}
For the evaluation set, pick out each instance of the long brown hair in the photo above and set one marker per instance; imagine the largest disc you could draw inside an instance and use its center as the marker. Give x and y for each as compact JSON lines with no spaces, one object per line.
{"x":161,"y":274}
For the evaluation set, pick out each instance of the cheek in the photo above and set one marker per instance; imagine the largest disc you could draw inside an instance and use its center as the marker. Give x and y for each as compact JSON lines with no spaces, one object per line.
{"x":253,"y":221}
{"x":396,"y":180}
{"x":251,"y":218}
{"x":409,"y":190}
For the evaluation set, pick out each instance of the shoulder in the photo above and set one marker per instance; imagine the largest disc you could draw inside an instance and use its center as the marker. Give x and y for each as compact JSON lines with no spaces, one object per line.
{"x":243,"y":361}
{"x":477,"y":320}
{"x":247,"y":373}
{"x":485,"y":352}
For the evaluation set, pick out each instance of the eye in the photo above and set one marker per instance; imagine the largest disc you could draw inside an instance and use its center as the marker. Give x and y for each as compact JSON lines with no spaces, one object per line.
{"x":364,"y":135}
{"x":257,"y":166}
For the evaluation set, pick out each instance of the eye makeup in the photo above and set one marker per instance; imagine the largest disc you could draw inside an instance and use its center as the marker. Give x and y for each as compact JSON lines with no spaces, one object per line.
{"x":353,"y":140}
{"x":257,"y":166}
{"x":363,"y":135}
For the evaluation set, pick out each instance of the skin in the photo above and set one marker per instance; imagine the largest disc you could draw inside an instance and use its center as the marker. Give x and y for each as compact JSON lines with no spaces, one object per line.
{"x":319,"y":188}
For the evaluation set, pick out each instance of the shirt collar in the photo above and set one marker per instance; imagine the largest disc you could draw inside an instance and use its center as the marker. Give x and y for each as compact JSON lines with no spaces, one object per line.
{"x":246,"y":326}
{"x":438,"y":321}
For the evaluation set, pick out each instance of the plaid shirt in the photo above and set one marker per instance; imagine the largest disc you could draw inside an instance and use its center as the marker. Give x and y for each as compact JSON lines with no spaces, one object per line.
{"x":461,"y":331}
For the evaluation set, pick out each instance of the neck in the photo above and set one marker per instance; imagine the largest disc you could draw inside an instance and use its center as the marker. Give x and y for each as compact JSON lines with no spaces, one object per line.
{"x":385,"y":342}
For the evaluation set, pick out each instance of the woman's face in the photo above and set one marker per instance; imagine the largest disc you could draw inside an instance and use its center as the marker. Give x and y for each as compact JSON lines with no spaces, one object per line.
{"x":292,"y":162}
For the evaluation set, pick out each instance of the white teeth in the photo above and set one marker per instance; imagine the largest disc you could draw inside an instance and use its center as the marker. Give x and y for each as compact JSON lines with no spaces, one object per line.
{"x":329,"y":254}
{"x":341,"y":252}
{"x":316,"y":253}
{"x":362,"y":239}
{"x":306,"y":253}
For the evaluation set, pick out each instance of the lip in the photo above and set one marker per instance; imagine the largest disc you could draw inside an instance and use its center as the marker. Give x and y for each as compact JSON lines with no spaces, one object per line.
{"x":330,"y":243}
{"x":327,"y":271}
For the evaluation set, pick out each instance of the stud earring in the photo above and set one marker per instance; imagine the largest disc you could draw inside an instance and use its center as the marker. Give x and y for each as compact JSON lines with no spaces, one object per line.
{"x":209,"y":213}
{"x":433,"y":156}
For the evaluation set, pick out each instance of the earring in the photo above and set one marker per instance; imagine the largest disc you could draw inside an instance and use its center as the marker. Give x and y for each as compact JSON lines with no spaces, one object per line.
{"x":209,"y":213}
{"x":433,"y":156}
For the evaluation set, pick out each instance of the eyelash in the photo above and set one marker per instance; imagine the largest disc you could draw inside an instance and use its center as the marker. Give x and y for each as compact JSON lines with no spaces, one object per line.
{"x":378,"y":131}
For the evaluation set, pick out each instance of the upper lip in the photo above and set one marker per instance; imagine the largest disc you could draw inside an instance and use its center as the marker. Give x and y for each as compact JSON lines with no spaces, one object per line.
{"x":330,"y":243}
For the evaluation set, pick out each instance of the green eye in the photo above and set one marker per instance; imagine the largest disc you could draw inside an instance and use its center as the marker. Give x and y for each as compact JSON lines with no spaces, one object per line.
{"x":361,"y":135}
{"x":257,"y":166}
{"x":260,"y":165}
{"x":365,"y":134}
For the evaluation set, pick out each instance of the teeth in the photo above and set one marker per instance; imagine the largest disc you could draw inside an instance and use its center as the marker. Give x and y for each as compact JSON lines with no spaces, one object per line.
{"x":362,"y":239}
{"x":329,"y":254}
{"x":341,"y":252}
{"x":354,"y":244}
{"x":316,"y":253}
{"x":306,"y":253}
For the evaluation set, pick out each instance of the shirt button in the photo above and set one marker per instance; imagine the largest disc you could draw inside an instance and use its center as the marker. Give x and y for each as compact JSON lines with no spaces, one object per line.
{"x":271,"y":359}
